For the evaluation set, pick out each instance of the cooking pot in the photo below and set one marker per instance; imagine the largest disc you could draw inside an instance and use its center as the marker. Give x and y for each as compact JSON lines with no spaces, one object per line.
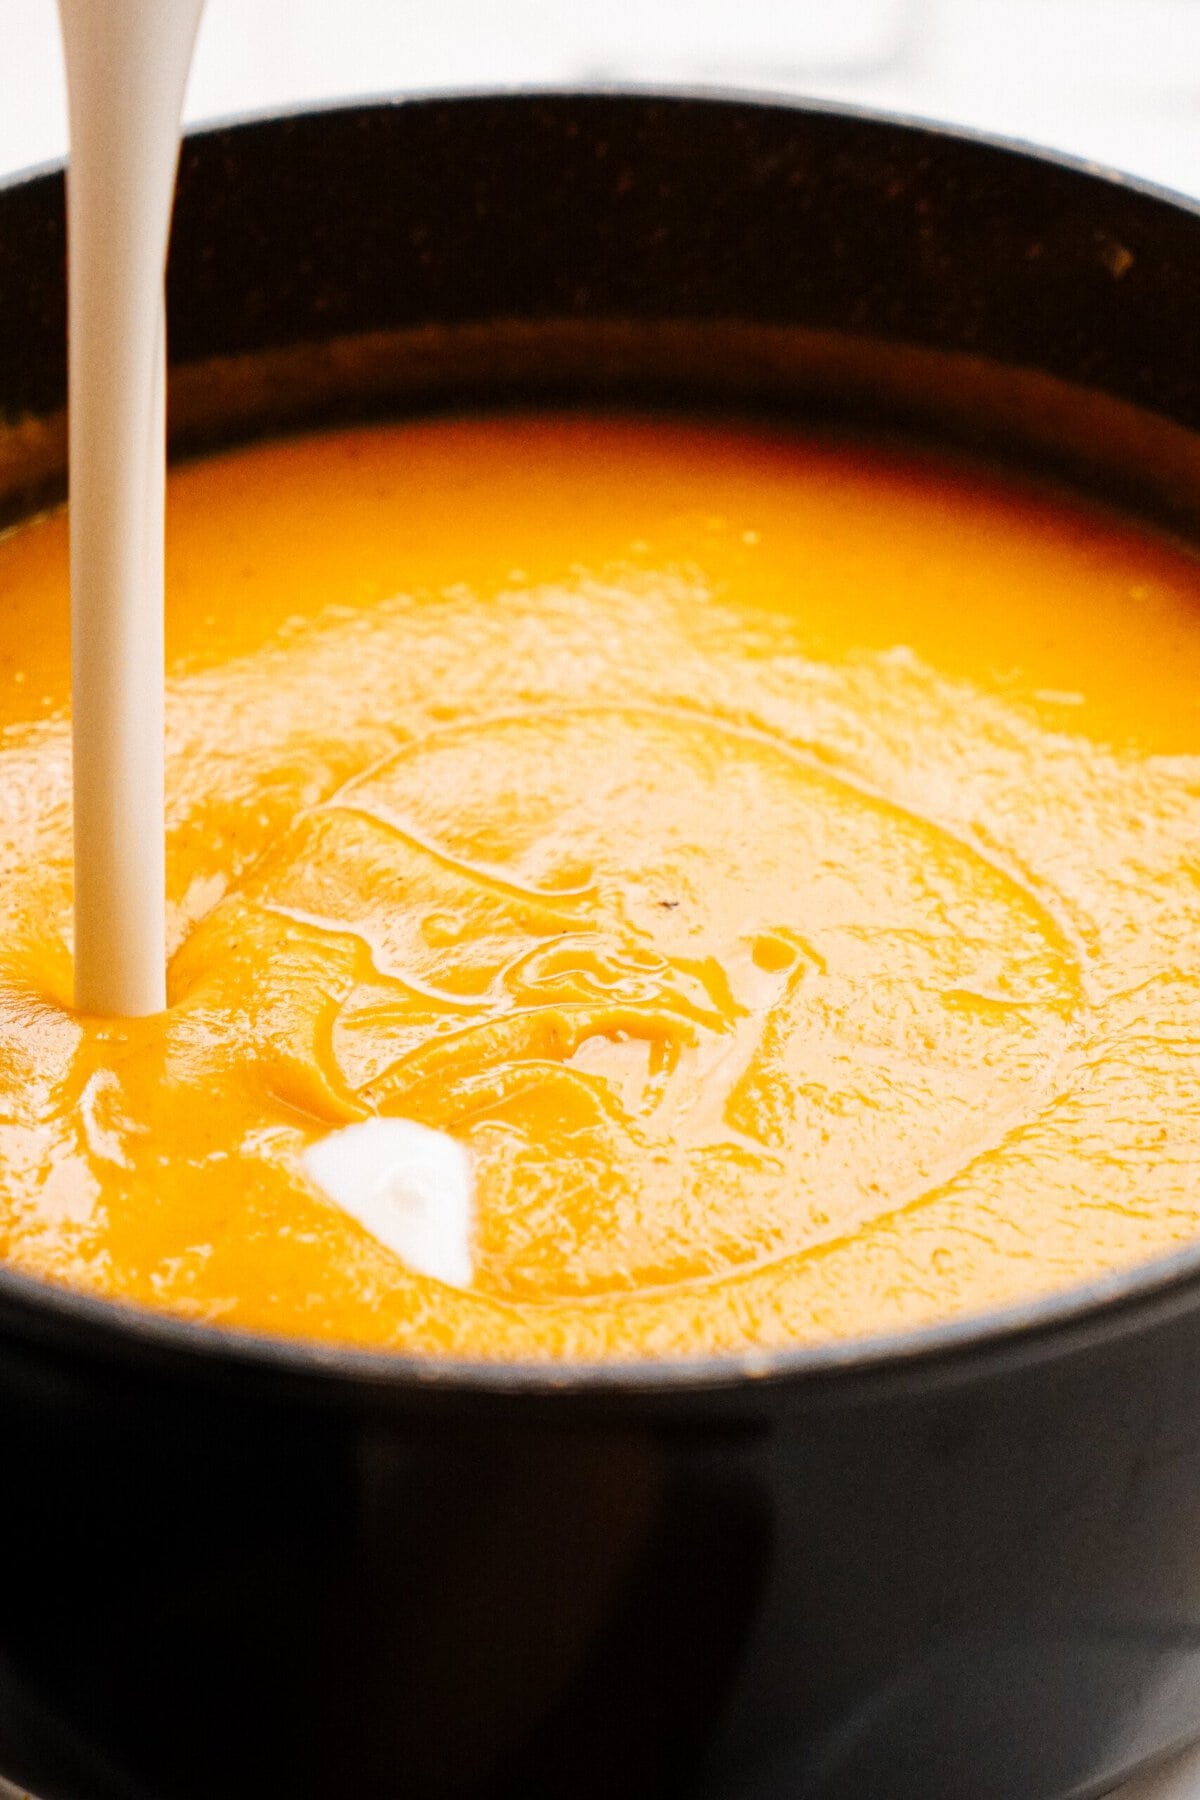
{"x":958,"y":1564}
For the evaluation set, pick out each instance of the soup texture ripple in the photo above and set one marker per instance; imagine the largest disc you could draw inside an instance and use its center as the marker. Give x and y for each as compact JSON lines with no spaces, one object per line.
{"x":756,"y":875}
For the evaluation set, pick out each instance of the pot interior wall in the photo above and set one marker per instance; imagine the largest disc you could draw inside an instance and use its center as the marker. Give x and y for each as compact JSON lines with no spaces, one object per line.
{"x":631,"y":248}
{"x":1090,"y":441}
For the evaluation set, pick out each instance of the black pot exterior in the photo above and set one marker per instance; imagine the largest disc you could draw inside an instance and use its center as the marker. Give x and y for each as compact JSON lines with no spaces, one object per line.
{"x":962,"y":1568}
{"x":976,"y":1579}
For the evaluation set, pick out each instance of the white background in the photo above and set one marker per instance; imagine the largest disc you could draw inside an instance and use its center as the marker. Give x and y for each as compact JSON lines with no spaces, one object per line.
{"x":1117,"y":81}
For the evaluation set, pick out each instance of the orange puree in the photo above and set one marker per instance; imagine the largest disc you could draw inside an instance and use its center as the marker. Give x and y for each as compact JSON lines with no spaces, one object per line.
{"x":776,"y":861}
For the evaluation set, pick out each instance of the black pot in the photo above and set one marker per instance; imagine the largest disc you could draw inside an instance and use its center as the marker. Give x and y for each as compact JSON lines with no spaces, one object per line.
{"x":959,"y":1565}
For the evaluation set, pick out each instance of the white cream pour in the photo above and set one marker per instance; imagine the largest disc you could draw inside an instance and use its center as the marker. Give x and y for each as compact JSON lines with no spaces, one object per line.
{"x":127,"y":65}
{"x":406,"y":1184}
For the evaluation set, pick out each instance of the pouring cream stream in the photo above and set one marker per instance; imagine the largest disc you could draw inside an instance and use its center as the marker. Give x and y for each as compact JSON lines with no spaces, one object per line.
{"x":127,"y":67}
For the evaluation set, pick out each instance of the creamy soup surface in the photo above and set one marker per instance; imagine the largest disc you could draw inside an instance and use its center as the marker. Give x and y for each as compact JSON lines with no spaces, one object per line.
{"x":770,"y":865}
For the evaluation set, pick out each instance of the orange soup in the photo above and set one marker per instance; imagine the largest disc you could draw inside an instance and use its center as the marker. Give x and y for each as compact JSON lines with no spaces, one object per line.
{"x":636,"y":887}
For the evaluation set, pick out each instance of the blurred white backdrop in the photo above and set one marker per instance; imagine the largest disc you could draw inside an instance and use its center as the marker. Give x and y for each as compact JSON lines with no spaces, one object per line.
{"x":1116,"y":81}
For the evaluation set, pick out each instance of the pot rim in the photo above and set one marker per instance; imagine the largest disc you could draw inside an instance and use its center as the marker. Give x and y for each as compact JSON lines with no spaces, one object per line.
{"x":1069,"y":1319}
{"x":678,"y":93}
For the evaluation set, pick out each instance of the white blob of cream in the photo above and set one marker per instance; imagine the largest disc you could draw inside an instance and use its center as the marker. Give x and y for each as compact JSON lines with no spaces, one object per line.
{"x":127,"y":66}
{"x":408,"y":1185}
